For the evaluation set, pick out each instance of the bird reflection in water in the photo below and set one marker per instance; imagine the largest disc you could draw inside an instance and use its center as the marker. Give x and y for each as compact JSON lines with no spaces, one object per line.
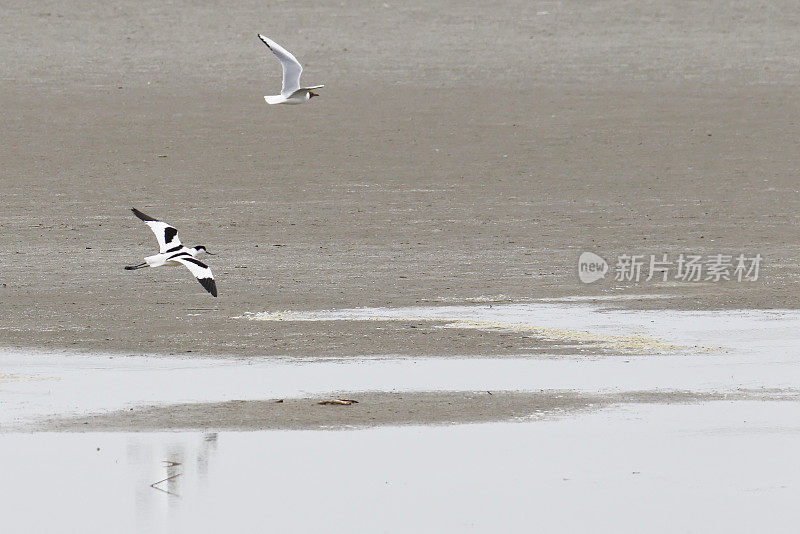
{"x":175,"y":464}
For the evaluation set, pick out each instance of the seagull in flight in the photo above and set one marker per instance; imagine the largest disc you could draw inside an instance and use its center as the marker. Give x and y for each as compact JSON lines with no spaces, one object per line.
{"x":291,"y":92}
{"x":172,"y":252}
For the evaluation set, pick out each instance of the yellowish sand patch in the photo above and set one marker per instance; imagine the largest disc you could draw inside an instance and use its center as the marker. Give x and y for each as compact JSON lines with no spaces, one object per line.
{"x":631,"y":342}
{"x":610,"y":341}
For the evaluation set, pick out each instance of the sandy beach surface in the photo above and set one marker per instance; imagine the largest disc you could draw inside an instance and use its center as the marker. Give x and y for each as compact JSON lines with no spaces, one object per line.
{"x":458,"y":151}
{"x":372,"y":409}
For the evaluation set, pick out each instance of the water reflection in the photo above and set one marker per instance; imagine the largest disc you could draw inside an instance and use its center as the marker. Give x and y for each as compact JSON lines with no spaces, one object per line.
{"x":208,"y":447}
{"x":182,"y":461}
{"x":171,"y":480}
{"x":482,"y":478}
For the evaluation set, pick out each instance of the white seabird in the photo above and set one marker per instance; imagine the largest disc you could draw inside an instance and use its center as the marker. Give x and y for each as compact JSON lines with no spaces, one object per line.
{"x":172,"y":252}
{"x":291,"y":92}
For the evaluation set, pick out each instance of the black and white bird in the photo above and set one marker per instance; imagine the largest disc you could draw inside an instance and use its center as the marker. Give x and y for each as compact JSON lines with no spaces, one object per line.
{"x":291,"y":92}
{"x":172,"y":252}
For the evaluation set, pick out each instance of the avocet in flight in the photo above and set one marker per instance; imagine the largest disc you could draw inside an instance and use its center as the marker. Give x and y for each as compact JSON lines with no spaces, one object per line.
{"x":172,"y":252}
{"x":291,"y":92}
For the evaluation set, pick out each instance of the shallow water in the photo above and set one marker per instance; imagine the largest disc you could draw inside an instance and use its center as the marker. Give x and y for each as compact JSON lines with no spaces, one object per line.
{"x":715,"y":351}
{"x":714,"y":467}
{"x":49,"y":385}
{"x":592,"y":323}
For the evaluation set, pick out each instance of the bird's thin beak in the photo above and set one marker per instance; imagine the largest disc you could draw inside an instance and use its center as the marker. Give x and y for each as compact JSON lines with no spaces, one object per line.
{"x":312,"y":94}
{"x":210,"y":254}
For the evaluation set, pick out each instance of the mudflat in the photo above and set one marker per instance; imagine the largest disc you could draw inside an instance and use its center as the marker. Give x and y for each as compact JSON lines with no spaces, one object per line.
{"x":458,"y":152}
{"x":377,"y":408}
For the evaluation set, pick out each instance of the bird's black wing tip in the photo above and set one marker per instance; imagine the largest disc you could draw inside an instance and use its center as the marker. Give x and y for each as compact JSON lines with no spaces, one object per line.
{"x":209,"y":285}
{"x":142,"y":216}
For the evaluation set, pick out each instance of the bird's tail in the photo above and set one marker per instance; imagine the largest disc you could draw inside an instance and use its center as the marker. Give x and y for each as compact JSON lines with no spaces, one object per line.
{"x":134,"y":267}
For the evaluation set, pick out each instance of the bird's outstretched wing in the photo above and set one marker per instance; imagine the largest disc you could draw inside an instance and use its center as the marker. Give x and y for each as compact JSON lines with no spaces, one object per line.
{"x":302,"y":89}
{"x":200,"y":271}
{"x":167,"y":235}
{"x":291,"y":67}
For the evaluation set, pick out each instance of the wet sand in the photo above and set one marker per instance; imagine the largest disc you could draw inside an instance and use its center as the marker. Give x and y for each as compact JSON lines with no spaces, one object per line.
{"x":377,"y":408}
{"x":457,"y":152}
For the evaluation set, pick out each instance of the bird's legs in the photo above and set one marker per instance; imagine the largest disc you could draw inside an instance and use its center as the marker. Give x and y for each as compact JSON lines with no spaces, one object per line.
{"x":134,"y":267}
